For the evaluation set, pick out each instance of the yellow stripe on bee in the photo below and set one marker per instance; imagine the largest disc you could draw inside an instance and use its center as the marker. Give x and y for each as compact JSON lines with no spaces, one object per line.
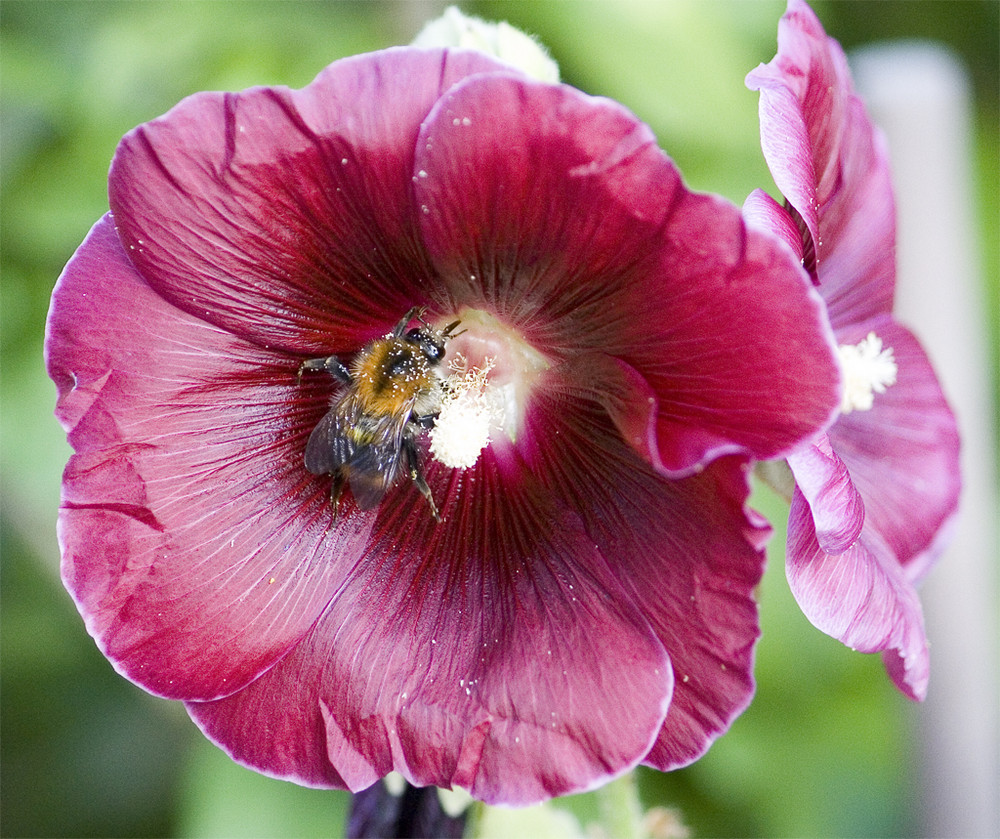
{"x":389,"y":375}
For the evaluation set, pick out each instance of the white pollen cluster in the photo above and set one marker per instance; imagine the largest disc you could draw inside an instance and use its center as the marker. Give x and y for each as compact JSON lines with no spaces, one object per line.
{"x":462,"y":428}
{"x":868,"y":369}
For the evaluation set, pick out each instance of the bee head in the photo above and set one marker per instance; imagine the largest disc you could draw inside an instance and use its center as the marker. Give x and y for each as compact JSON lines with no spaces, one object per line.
{"x":431,"y":344}
{"x":431,"y":341}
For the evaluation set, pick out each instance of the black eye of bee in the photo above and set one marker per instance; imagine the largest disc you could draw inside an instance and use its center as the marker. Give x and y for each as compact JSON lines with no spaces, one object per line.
{"x":429,"y":345}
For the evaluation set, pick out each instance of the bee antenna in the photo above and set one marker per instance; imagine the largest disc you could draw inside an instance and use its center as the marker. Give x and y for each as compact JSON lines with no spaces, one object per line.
{"x":447,"y":333}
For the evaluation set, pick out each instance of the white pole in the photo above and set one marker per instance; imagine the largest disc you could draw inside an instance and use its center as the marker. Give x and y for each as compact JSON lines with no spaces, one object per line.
{"x":918,"y":93}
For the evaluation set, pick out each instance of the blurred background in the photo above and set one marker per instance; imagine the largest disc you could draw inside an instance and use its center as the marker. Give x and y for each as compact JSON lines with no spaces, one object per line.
{"x":828,"y":748}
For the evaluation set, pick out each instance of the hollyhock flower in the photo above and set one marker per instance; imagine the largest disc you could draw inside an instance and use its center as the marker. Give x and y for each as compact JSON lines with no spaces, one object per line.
{"x":585,"y":602}
{"x":875,"y":496}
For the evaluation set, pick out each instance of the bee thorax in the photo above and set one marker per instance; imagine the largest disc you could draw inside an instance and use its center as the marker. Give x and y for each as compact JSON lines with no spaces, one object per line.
{"x":391,"y":376}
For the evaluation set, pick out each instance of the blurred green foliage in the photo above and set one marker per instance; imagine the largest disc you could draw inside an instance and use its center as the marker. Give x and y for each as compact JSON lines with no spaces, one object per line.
{"x":824,"y":749}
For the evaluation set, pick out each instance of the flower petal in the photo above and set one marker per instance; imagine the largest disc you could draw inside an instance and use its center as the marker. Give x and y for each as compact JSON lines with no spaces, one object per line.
{"x":626,"y":262}
{"x":279,"y":214}
{"x":831,"y":164}
{"x":186,"y":489}
{"x":802,"y":105}
{"x":762,"y":212}
{"x":857,"y":268}
{"x":903,"y":454}
{"x":837,"y":508}
{"x":689,"y":550}
{"x":860,"y":596}
{"x":498,"y":651}
{"x":627,"y":397}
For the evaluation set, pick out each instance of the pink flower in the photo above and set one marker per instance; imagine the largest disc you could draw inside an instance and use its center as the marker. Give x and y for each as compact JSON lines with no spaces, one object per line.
{"x":875,"y":497}
{"x":586,"y":601}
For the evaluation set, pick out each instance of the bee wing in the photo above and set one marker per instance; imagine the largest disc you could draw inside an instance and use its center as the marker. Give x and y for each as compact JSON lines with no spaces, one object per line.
{"x":330,"y":445}
{"x":374,"y":467}
{"x":372,"y":472}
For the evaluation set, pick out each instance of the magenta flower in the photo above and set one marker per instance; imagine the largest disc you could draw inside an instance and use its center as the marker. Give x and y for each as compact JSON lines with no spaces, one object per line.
{"x":876,"y":495}
{"x":586,"y":601}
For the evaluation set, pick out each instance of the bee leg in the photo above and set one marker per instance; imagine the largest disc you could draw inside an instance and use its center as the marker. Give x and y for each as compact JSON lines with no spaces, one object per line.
{"x":331,"y":364}
{"x":424,"y":420}
{"x":336,"y":490}
{"x":418,"y":479}
{"x":413,"y":461}
{"x":399,"y":330}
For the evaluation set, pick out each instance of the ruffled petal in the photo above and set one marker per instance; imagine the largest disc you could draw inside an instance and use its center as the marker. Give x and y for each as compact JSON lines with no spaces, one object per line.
{"x":837,"y":508}
{"x":630,"y":402}
{"x":831,"y":164}
{"x":277,"y":214}
{"x":627,"y":263}
{"x":197,"y":548}
{"x":903,"y":454}
{"x":689,"y":550}
{"x":860,"y":596}
{"x":801,"y":105}
{"x":498,"y":651}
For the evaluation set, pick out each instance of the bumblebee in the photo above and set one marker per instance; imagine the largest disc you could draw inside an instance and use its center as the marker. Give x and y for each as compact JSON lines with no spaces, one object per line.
{"x":391,"y":392}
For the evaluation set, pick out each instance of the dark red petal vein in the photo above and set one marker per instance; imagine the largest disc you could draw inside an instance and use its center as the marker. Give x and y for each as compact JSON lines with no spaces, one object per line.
{"x":688,"y":550}
{"x":279,"y":214}
{"x":498,"y":651}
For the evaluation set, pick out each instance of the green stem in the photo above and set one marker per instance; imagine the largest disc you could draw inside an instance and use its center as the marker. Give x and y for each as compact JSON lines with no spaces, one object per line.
{"x":621,"y":810}
{"x":777,"y":475}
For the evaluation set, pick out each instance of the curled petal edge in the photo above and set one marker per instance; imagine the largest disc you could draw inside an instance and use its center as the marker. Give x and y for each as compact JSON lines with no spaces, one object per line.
{"x":861,"y":597}
{"x":763,"y":213}
{"x":836,"y":506}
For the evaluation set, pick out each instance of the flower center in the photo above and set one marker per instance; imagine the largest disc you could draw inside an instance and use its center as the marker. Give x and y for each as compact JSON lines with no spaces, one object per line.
{"x":491,"y":372}
{"x":868,"y":369}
